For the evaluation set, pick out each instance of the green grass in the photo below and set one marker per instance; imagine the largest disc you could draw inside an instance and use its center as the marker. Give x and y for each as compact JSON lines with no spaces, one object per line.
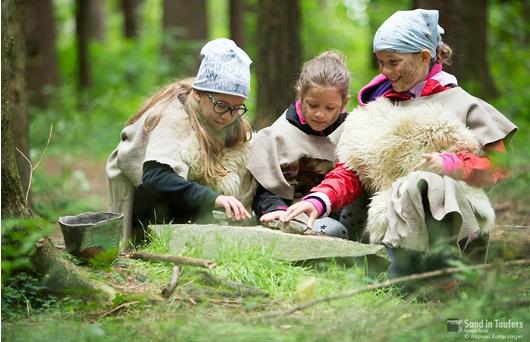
{"x":200,"y":310}
{"x":374,"y":316}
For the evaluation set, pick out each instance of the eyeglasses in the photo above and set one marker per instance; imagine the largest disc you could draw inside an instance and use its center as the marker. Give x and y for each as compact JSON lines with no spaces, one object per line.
{"x":222,"y":108}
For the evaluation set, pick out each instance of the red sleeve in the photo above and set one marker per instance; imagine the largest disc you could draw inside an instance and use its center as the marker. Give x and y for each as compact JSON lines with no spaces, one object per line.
{"x":341,"y":185}
{"x":480,"y":171}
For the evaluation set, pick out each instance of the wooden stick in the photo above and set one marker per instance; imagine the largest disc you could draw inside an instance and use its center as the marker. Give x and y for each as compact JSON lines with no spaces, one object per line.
{"x":417,"y":276}
{"x":170,"y":287}
{"x":178,"y":260}
{"x":119,"y":307}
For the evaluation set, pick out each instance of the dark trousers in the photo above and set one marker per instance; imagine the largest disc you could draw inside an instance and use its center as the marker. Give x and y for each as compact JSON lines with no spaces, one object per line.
{"x":149,"y":209}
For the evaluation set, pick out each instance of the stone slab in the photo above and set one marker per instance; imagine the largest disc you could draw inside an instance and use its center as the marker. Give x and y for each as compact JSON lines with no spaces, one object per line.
{"x":289,"y":247}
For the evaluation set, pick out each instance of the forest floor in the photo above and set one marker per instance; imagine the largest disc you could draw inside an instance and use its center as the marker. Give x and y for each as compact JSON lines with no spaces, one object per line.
{"x":200,"y":310}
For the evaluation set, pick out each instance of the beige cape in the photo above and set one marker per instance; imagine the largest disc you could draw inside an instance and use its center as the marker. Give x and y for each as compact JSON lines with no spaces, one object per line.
{"x":172,"y":142}
{"x":282,"y":144}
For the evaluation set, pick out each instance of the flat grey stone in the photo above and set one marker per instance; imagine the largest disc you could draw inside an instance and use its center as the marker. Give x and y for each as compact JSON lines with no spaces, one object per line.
{"x":289,"y":247}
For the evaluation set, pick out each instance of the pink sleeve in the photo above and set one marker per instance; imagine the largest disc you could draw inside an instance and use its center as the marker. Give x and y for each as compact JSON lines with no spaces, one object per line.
{"x":473,"y":169}
{"x":316,"y":203}
{"x":450,"y":163}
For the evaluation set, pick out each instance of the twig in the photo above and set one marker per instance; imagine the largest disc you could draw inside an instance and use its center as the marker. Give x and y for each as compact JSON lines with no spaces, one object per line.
{"x":178,"y":260}
{"x":119,"y":307}
{"x":33,"y":168}
{"x":417,"y":276}
{"x":170,"y":287}
{"x":126,"y":288}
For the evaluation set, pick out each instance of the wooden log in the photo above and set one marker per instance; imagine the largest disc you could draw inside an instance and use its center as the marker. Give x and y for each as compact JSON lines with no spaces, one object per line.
{"x":510,"y":241}
{"x":61,"y":276}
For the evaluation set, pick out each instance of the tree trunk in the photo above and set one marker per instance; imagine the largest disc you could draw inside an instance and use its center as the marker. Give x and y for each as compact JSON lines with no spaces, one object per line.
{"x":83,"y":39}
{"x":59,"y":274}
{"x":41,"y":62}
{"x":465,"y":24}
{"x":130,"y":18}
{"x":278,"y":58}
{"x":237,"y":9}
{"x":185,"y":27}
{"x":96,"y":19}
{"x":13,"y":105}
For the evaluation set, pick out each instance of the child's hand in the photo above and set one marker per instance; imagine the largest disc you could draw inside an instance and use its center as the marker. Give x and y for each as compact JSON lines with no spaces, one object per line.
{"x":301,"y":207}
{"x":432,"y":162}
{"x":233,"y":207}
{"x":273,"y":215}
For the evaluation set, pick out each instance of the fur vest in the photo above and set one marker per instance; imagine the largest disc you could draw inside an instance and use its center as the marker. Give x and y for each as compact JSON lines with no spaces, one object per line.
{"x":382,"y":142}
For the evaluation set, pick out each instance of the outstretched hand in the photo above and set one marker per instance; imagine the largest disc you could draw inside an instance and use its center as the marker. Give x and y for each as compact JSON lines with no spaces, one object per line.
{"x":273,"y":215}
{"x":432,"y":162}
{"x":301,"y":207}
{"x":233,"y":207}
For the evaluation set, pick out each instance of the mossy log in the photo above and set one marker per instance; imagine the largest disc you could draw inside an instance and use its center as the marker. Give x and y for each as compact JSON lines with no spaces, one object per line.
{"x":61,"y":276}
{"x":510,"y":241}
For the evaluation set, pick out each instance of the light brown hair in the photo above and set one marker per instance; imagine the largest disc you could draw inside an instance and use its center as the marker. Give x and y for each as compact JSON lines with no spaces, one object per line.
{"x":211,"y":144}
{"x":326,"y":70}
{"x":444,"y":54}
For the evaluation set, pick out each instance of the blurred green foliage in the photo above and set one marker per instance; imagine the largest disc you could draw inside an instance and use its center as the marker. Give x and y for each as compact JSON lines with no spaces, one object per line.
{"x":18,"y":238}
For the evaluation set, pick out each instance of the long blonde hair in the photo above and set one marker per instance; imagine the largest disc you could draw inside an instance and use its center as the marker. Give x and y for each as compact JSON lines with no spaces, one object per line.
{"x":211,"y":143}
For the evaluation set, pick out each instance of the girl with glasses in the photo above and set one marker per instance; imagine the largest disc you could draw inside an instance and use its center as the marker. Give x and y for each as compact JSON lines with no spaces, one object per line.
{"x":184,"y":153}
{"x":298,"y":149}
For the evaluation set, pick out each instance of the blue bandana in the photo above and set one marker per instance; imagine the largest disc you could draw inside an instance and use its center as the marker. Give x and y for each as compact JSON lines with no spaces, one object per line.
{"x":409,"y":32}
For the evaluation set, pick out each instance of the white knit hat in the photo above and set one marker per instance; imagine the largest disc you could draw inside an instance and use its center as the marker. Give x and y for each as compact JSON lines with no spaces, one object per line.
{"x":225,"y":68}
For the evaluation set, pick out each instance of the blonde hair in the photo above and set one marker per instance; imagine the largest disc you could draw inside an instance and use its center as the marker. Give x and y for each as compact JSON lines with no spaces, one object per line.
{"x":326,"y":70}
{"x":211,"y":143}
{"x":444,"y":53}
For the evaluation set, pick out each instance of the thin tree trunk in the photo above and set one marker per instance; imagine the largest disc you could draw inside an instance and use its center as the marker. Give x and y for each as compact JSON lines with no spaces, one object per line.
{"x":278,"y":58}
{"x":41,"y":63}
{"x":83,"y":38}
{"x":185,"y":28}
{"x":237,"y":14}
{"x":465,"y":24}
{"x":130,"y":18}
{"x":96,"y":19}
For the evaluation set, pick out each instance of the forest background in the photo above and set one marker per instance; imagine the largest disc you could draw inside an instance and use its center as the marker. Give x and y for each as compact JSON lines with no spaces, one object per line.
{"x":91,"y":63}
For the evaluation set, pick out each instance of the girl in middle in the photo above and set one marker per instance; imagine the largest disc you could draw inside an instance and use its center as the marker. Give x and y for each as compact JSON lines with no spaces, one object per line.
{"x":294,"y":154}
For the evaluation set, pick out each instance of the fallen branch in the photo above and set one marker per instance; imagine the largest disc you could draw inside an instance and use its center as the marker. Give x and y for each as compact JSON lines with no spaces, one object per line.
{"x":170,"y":287}
{"x":417,"y":276}
{"x":177,"y":260}
{"x":119,"y":307}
